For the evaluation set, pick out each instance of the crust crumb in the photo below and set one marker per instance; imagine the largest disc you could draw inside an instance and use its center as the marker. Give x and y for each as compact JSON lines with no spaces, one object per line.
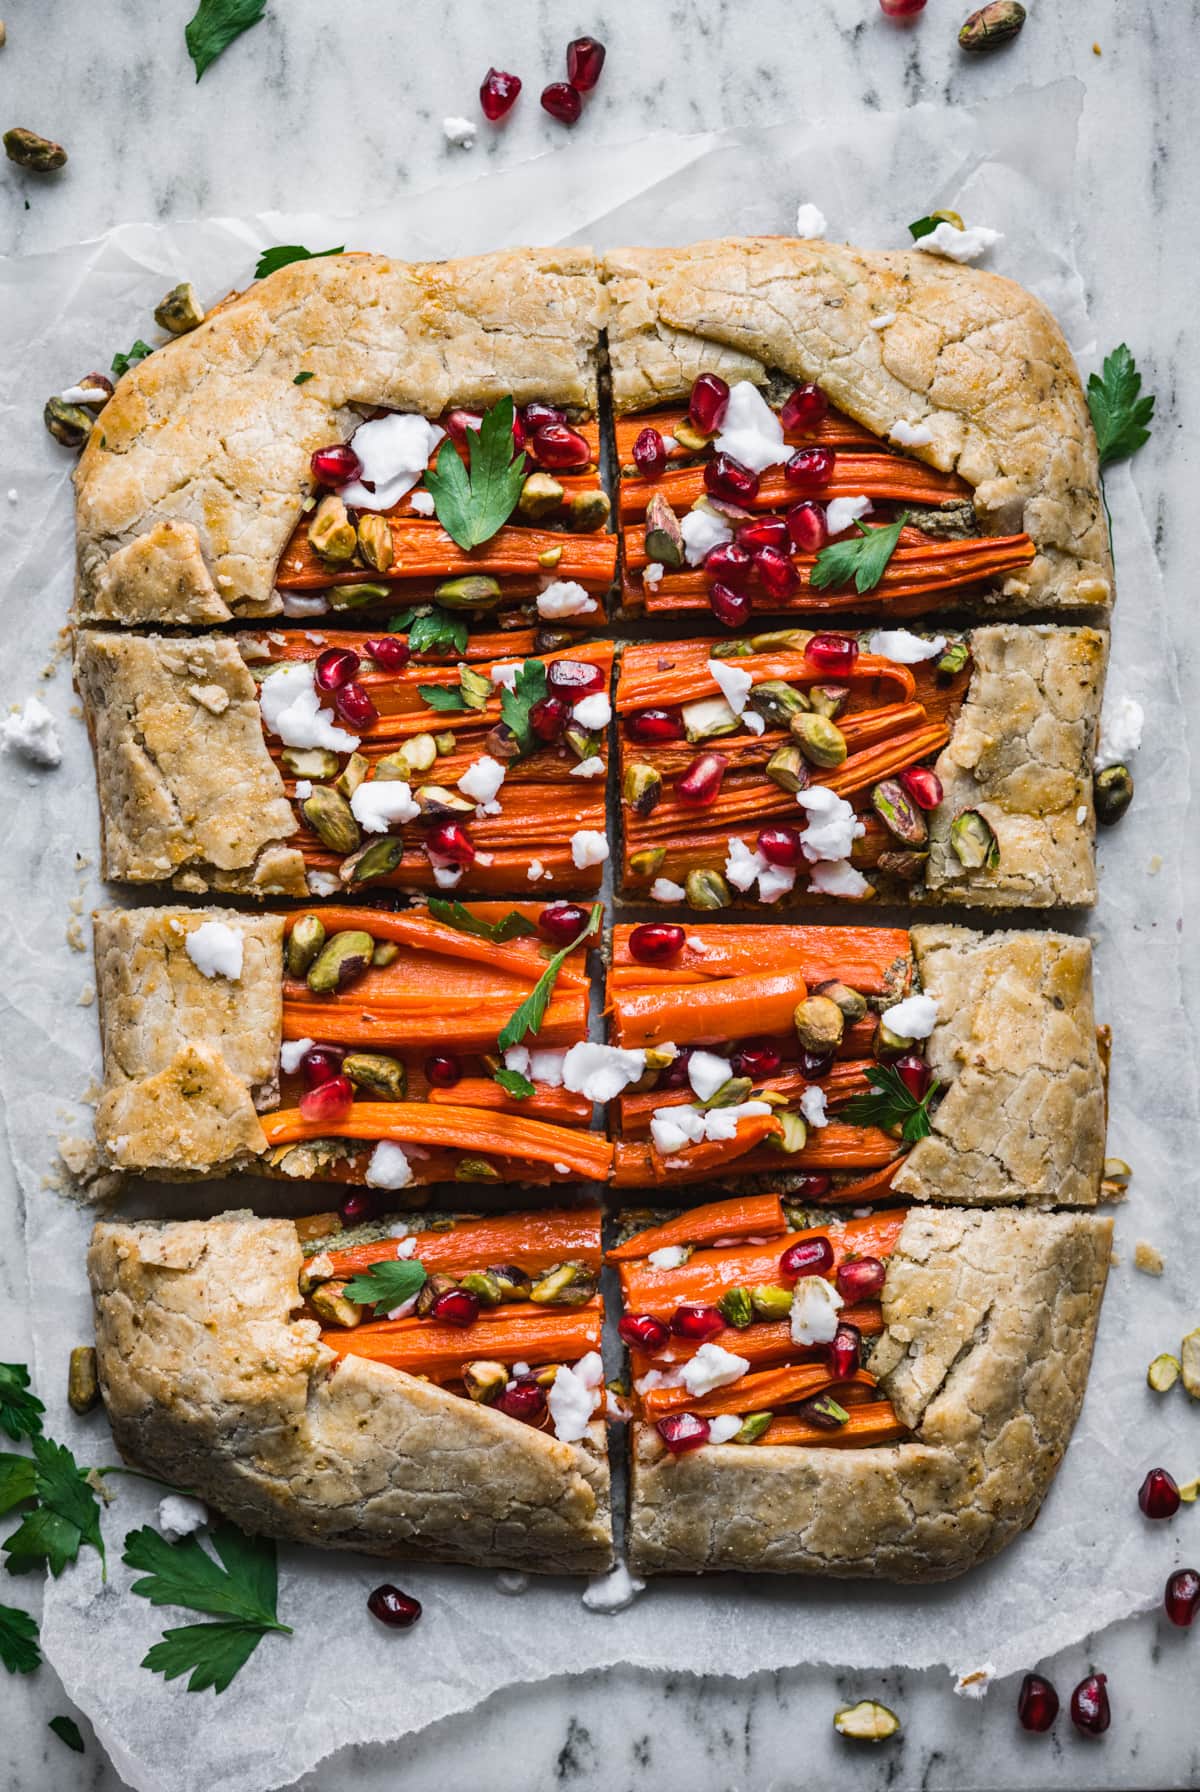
{"x":1147,"y":1259}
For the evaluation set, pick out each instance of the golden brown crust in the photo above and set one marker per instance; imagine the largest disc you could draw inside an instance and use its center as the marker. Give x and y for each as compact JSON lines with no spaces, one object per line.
{"x":213,"y":1382}
{"x":972,"y":356}
{"x":187,"y":495}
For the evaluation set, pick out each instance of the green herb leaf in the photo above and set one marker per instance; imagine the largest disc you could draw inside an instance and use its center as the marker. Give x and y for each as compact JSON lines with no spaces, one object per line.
{"x":529,"y":687}
{"x":432,"y":631}
{"x":122,"y":363}
{"x":213,"y":1654}
{"x":214,"y":26}
{"x":865,"y":560}
{"x":17,"y":1481}
{"x":67,"y":1730}
{"x":20,"y":1411}
{"x":283,"y":254}
{"x":1119,"y":415}
{"x":532,"y":1012}
{"x":303,"y":378}
{"x":18,"y":1640}
{"x":512,"y":926}
{"x":387,"y":1284}
{"x":443,"y":697}
{"x":67,"y":1514}
{"x":890,"y":1104}
{"x":242,"y":1584}
{"x":922,"y":227}
{"x":472,"y":506}
{"x":514,"y":1084}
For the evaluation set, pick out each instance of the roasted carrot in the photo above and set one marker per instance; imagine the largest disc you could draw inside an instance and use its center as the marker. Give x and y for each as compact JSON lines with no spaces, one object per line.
{"x":873,"y":1422}
{"x":863,"y":1189}
{"x":762,"y":1344}
{"x":757,"y":1391}
{"x":644,"y":681}
{"x":731,"y":1009}
{"x":419,"y":1123}
{"x":534,"y":1241}
{"x":863,"y":957}
{"x":835,"y":430}
{"x":422,"y":549}
{"x":557,"y":1105}
{"x":744,"y":1216}
{"x":519,"y":1334}
{"x":834,"y":1147}
{"x":403,"y":1027}
{"x":877,"y":476}
{"x":416,"y":928}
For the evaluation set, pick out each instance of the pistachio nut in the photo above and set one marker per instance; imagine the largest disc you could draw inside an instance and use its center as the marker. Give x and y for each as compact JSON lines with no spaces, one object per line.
{"x":821,"y":742}
{"x":642,"y":788}
{"x":316,"y":1270}
{"x":549,"y":558}
{"x":732,"y":1092}
{"x":898,"y":813}
{"x":475,"y":688}
{"x":394,"y":768}
{"x":502,"y":743}
{"x":868,"y":1721}
{"x":953,"y":659}
{"x":889,"y":1044}
{"x":777,"y":702}
{"x":736,"y":1307}
{"x":823,"y":1411}
{"x":436,"y":802}
{"x":1163,"y":1372}
{"x":709,"y":717}
{"x":83,"y":1382}
{"x":486,"y":1289}
{"x":340,"y":961}
{"x":1112,"y":792}
{"x":787,"y":768}
{"x":1189,"y":1492}
{"x":473,"y":591}
{"x":485,"y":1381}
{"x":383,"y":1076}
{"x":422,"y":751}
{"x":553,"y":640}
{"x":566,"y":1285}
{"x":1116,"y":1175}
{"x":304,"y":942}
{"x":829,"y":699}
{"x":356,"y":596}
{"x":328,"y":1301}
{"x":352,"y":775}
{"x":782,"y":640}
{"x":647,"y":861}
{"x":475,"y":1169}
{"x":180,"y":311}
{"x":513,"y":1282}
{"x":329,"y":816}
{"x":375,"y":541}
{"x":443,"y":743}
{"x":852,"y":1002}
{"x":315,"y":763}
{"x":378,"y":858}
{"x":754,"y":1425}
{"x":691,"y":438}
{"x":770,"y":1301}
{"x":330,"y":531}
{"x":664,"y":537}
{"x":386,"y":952}
{"x":1189,"y":1363}
{"x":793,"y":1133}
{"x":432,"y":1288}
{"x":706,"y":890}
{"x":28,"y":150}
{"x":993,"y":25}
{"x":975,"y":846}
{"x":819,"y":1024}
{"x":70,"y":424}
{"x":908,"y":866}
{"x":730,"y":650}
{"x":587,"y":512}
{"x":540,"y":497}
{"x":948,"y":217}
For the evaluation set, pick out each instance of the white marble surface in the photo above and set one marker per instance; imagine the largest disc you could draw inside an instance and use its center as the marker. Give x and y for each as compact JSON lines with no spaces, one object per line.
{"x":333,"y":106}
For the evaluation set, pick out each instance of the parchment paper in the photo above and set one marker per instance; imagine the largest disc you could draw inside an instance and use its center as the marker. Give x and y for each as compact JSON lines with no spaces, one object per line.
{"x":1090,"y":1558}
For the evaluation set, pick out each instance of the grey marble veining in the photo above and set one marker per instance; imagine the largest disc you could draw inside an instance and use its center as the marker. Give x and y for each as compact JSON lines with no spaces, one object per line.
{"x":336,"y":106}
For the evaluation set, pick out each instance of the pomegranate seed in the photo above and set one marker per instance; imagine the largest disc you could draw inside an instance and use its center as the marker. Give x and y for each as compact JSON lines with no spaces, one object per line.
{"x":701,"y":782}
{"x":556,"y":445}
{"x":498,"y":93}
{"x":328,"y":1102}
{"x":357,"y":1207}
{"x":810,"y":469}
{"x":1037,"y":1703}
{"x":832,"y":653}
{"x":562,"y":101}
{"x":727,"y":478}
{"x":805,"y":410}
{"x":913,"y":1073}
{"x":585,"y":59}
{"x":675,"y":1076}
{"x":650,"y":454}
{"x":729,"y":606}
{"x":335,"y":667}
{"x":812,"y":1186}
{"x":811,"y":1257}
{"x":729,"y":562}
{"x":1158,"y":1495}
{"x":457,"y":423}
{"x":548,"y":718}
{"x":562,"y":922}
{"x":763,"y":532}
{"x":901,"y":9}
{"x":815,"y":1065}
{"x":392,"y":652}
{"x":1089,"y":1705}
{"x":861,"y":1278}
{"x":1181,"y":1597}
{"x":518,"y":434}
{"x":806,"y":527}
{"x":708,"y":402}
{"x":575,"y":678}
{"x":641,"y":1331}
{"x":781,"y":846}
{"x":399,"y":1611}
{"x":337,"y":465}
{"x":756,"y":1059}
{"x":354,"y":705}
{"x":693,"y":1320}
{"x":651,"y":726}
{"x":321,"y":1064}
{"x":539,"y":415}
{"x":450,"y":840}
{"x":456,"y":1307}
{"x":524,"y":1400}
{"x":443,"y":1070}
{"x":682,"y":1432}
{"x":655,"y":943}
{"x":845,"y":1352}
{"x":777,"y":575}
{"x":923,"y":786}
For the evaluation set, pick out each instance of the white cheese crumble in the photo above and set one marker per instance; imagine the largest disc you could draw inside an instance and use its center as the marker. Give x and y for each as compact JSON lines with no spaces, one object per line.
{"x":506,"y":674}
{"x":612,"y":1592}
{"x":382,"y":803}
{"x":711,"y":1368}
{"x":216,"y":950}
{"x":669,"y":1256}
{"x":724,"y":1427}
{"x":593,"y":712}
{"x":810,"y":222}
{"x":882,"y":321}
{"x":654,"y":573}
{"x":905,"y":648}
{"x":601,"y":1072}
{"x":664,"y":890}
{"x":588,"y":848}
{"x":445,"y":875}
{"x":959,"y":245}
{"x":744,"y":868}
{"x":753,"y":722}
{"x":722,"y":1123}
{"x":735,"y":685}
{"x":179,"y":1515}
{"x":702,"y":531}
{"x":675,"y":1127}
{"x":750,"y":430}
{"x":913,"y":1018}
{"x":299,"y":604}
{"x":594,"y":767}
{"x":833,"y":827}
{"x":574,"y":1397}
{"x":815,"y":1305}
{"x":323,"y":883}
{"x":303,"y":789}
{"x":565,"y":598}
{"x":707,"y":1072}
{"x":975,"y":1682}
{"x":291,"y":1053}
{"x":1120,"y":732}
{"x":460,"y":132}
{"x":812,"y":1106}
{"x":482,"y":779}
{"x":30,"y":733}
{"x":406,"y":1247}
{"x":422,"y":503}
{"x":389,"y":1167}
{"x":544,"y":1066}
{"x":841,"y":512}
{"x":292,"y":710}
{"x":393,"y":452}
{"x":838,"y":878}
{"x":535,"y":870}
{"x":910,"y":435}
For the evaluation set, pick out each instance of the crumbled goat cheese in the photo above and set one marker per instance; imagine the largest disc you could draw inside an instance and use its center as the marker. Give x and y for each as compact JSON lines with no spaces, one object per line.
{"x":298,"y":605}
{"x":959,"y":245}
{"x":812,"y":1106}
{"x":669,"y":1256}
{"x":654,"y":573}
{"x":506,"y":674}
{"x":735,"y":685}
{"x":565,"y":598}
{"x":588,"y":848}
{"x":291,"y":710}
{"x":975,"y":1682}
{"x":673,"y":1128}
{"x":752,"y":722}
{"x":882,"y":321}
{"x":389,"y":1167}
{"x":216,"y":950}
{"x":702,"y":531}
{"x":750,"y":430}
{"x":722,"y":1123}
{"x":404,"y":1309}
{"x":613,"y":1591}
{"x":589,"y":768}
{"x":910,"y":435}
{"x":707,"y":1072}
{"x":712,"y":1368}
{"x":724,"y":1427}
{"x":482,"y":779}
{"x":1120,"y":732}
{"x":422,"y":503}
{"x":573,"y":1397}
{"x":179,"y":1515}
{"x":837,"y":878}
{"x":393,"y":452}
{"x":907,"y":649}
{"x":535,"y":871}
{"x":303,"y":789}
{"x":460,"y":132}
{"x":743,"y":868}
{"x":540,"y":1066}
{"x":291,"y":1052}
{"x":913,"y":1018}
{"x":601,"y":1072}
{"x":447,"y":876}
{"x":663,"y":890}
{"x":30,"y":733}
{"x":832,"y":827}
{"x":815,"y":1305}
{"x":810,"y":222}
{"x":406,"y":1247}
{"x":381,"y":803}
{"x":593,"y":712}
{"x":841,"y":512}
{"x":323,"y":883}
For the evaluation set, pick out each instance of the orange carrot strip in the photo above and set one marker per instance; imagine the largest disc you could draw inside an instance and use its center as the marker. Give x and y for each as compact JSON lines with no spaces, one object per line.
{"x":422,"y":549}
{"x":860,"y":956}
{"x":757,"y":1391}
{"x":731,"y":1009}
{"x":745,"y":1216}
{"x":419,"y":1123}
{"x":863,"y":1189}
{"x":408,"y":1025}
{"x":522,"y":1335}
{"x":875,"y":1422}
{"x":643,"y":681}
{"x":557,"y":1105}
{"x":762,"y":1344}
{"x":715,"y":1155}
{"x":418,"y":929}
{"x":535,"y":1240}
{"x":869,"y":475}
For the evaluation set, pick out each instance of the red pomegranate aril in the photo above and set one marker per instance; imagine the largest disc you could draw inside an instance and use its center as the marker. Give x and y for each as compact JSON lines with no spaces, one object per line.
{"x":675,"y":1076}
{"x":708,"y":402}
{"x":557,"y":445}
{"x":923,"y":786}
{"x":650,"y":454}
{"x":730,"y":563}
{"x":683,"y":1431}
{"x":805,"y":410}
{"x":356,"y":1208}
{"x":458,"y":1306}
{"x":757,"y":1058}
{"x":832,"y":653}
{"x":498,"y":93}
{"x":320,"y":1064}
{"x":730,"y":607}
{"x":399,"y":1611}
{"x":585,"y":59}
{"x":353,"y":703}
{"x":539,"y":415}
{"x":562,"y":922}
{"x":574,"y":678}
{"x":701,"y":782}
{"x":776,"y":574}
{"x":1181,"y":1597}
{"x":548,"y":718}
{"x":457,"y":423}
{"x":335,"y":668}
{"x":1089,"y":1705}
{"x":810,"y":469}
{"x":641,"y":1331}
{"x":914,"y":1073}
{"x":650,"y":726}
{"x":806,"y":528}
{"x":845,"y":1352}
{"x":518,"y":433}
{"x":763,"y":532}
{"x":781,"y":846}
{"x":328,"y":1102}
{"x":450,"y":840}
{"x":336,"y":465}
{"x":814,"y":1066}
{"x":524,"y":1400}
{"x":860,"y":1278}
{"x":657,"y":942}
{"x":562,"y":101}
{"x":812,"y":1185}
{"x":901,"y":9}
{"x":694,"y":1320}
{"x":811,"y":1257}
{"x":392,"y":652}
{"x":727,"y":478}
{"x":1158,"y":1495}
{"x":443,"y":1070}
{"x":1037,"y":1703}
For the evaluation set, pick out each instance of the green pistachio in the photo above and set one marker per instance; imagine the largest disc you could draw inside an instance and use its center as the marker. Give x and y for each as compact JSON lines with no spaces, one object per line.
{"x":642,"y":788}
{"x":736,"y":1307}
{"x":948,"y":217}
{"x":852,"y":1003}
{"x":995,"y":24}
{"x":443,"y":743}
{"x":709,"y":717}
{"x":485,"y":1381}
{"x":658,"y":1057}
{"x":581,"y":743}
{"x":819,"y":1024}
{"x":868,"y":1721}
{"x":330,"y":531}
{"x":330,"y":1304}
{"x":587,"y":512}
{"x":317,"y":764}
{"x":514,"y":1284}
{"x":777,"y":702}
{"x":823,"y":1411}
{"x":475,"y":688}
{"x":70,"y":424}
{"x":770,"y":1301}
{"x":1163,"y":1372}
{"x":953,"y":658}
{"x":731,"y":1094}
{"x":304,"y":942}
{"x":486,"y":1289}
{"x":375,"y":541}
{"x":341,"y":960}
{"x":1189,"y":1492}
{"x":473,"y":591}
{"x":829,"y":700}
{"x":549,"y":558}
{"x":754,"y":1425}
{"x":706,"y":890}
{"x":1189,"y":1363}
{"x":378,"y":858}
{"x":819,"y":740}
{"x":794,"y":1134}
{"x":432,"y":1288}
{"x":1112,"y":792}
{"x":730,"y":650}
{"x":647,"y":861}
{"x":180,"y":311}
{"x":664,"y":537}
{"x":888,"y":1044}
{"x":787,"y":768}
{"x":356,"y":596}
{"x":83,"y":1382}
{"x":379,"y":1075}
{"x":329,"y":816}
{"x":352,"y":775}
{"x":975,"y":845}
{"x":436,"y":802}
{"x":540,"y":497}
{"x":898,"y":813}
{"x":566,"y":1285}
{"x":908,"y":866}
{"x":38,"y":154}
{"x":475,"y":1169}
{"x":422,"y":750}
{"x":694,"y":440}
{"x":385,"y":953}
{"x":782,"y":640}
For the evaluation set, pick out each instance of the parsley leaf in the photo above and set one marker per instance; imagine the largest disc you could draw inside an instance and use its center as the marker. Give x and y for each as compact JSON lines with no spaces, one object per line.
{"x":122,"y":363}
{"x":922,"y":227}
{"x":529,"y":687}
{"x":67,"y":1514}
{"x":20,"y":1411}
{"x":212,"y":1653}
{"x":865,"y":560}
{"x":17,"y":1478}
{"x":67,"y":1730}
{"x":431,"y":630}
{"x":455,"y":914}
{"x":1119,"y":415}
{"x":283,"y":254}
{"x":514,"y":1084}
{"x":240,"y":1589}
{"x":303,"y":377}
{"x":215,"y":24}
{"x":444,"y":697}
{"x":532,"y":1012}
{"x":18,"y":1640}
{"x":387,"y":1284}
{"x":891,"y":1104}
{"x":472,"y":506}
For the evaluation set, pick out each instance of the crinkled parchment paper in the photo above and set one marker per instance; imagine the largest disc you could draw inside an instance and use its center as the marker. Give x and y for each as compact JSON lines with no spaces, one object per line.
{"x":1090,"y":1558}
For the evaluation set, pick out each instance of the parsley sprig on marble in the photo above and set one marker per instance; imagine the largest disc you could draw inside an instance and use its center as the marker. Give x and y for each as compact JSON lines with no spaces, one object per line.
{"x":1121,"y":412}
{"x":215,"y":24}
{"x":891,"y":1104}
{"x":239,"y":1590}
{"x":863,"y":558}
{"x":472,"y":505}
{"x":20,"y":1411}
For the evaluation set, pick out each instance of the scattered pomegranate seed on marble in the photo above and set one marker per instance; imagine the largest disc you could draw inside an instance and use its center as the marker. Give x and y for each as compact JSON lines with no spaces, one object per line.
{"x":1158,"y":1495}
{"x":1037,"y":1703}
{"x":399,"y":1611}
{"x":901,"y":9}
{"x":498,"y":93}
{"x":562,"y":101}
{"x":585,"y":59}
{"x":1181,"y":1597}
{"x":1089,"y":1705}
